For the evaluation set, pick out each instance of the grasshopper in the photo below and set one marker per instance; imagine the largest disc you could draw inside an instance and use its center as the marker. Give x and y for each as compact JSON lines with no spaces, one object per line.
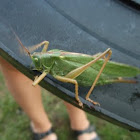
{"x":79,"y":69}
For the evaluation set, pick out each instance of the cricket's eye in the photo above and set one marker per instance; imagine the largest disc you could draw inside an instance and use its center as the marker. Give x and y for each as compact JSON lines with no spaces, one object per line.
{"x":36,"y":59}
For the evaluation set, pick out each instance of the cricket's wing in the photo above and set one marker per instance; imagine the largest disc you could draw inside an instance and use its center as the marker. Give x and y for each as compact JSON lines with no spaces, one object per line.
{"x":115,"y":69}
{"x":112,"y":69}
{"x":112,"y":72}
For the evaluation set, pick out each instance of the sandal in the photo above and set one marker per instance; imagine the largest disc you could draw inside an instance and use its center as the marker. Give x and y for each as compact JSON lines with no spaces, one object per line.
{"x":90,"y":129}
{"x":39,"y":136}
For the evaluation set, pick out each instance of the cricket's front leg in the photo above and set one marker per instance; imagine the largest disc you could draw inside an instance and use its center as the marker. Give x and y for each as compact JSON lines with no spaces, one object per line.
{"x":38,"y":79}
{"x":33,"y":48}
{"x":108,"y":52}
{"x":73,"y":81}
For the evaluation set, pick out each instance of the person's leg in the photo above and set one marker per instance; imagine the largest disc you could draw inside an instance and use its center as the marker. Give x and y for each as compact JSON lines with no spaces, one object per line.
{"x":79,"y":121}
{"x":28,"y":97}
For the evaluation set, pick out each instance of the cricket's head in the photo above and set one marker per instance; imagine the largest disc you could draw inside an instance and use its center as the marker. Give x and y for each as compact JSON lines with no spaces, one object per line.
{"x":37,"y":61}
{"x":42,"y":61}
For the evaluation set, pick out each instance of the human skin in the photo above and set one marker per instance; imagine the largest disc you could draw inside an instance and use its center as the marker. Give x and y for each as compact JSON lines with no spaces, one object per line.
{"x":29,"y":98}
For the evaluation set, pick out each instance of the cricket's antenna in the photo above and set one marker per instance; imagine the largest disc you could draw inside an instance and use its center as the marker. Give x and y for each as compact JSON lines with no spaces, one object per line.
{"x":21,"y":44}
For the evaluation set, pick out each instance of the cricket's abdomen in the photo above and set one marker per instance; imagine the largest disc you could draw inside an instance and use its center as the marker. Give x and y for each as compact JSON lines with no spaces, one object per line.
{"x":65,"y":62}
{"x":63,"y":67}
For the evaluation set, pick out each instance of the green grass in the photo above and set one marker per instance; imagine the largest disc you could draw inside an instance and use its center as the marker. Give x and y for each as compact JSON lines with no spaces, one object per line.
{"x":14,"y":124}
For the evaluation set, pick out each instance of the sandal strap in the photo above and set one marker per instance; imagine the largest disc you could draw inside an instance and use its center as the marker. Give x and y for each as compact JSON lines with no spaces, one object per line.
{"x":39,"y":136}
{"x":88,"y":130}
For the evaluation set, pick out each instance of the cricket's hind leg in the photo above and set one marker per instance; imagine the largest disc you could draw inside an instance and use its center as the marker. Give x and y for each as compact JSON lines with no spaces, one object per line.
{"x":69,"y":80}
{"x":106,"y":55}
{"x":76,"y":72}
{"x":33,"y":48}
